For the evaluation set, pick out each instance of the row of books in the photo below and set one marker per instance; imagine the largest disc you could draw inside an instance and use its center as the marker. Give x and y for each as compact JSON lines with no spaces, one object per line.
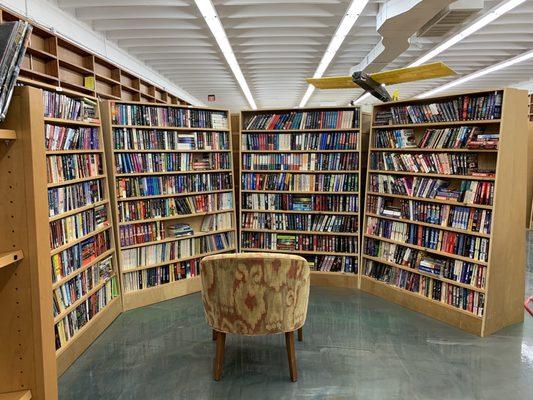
{"x":154,"y":231}
{"x":467,"y":218}
{"x":79,"y":255}
{"x":67,"y":198}
{"x":468,"y":273}
{"x":68,"y":138}
{"x":438,"y":163}
{"x":78,"y":318}
{"x":301,"y":162}
{"x":73,"y":290}
{"x":462,"y":137}
{"x":285,"y":242}
{"x":299,"y":222}
{"x":301,"y":141}
{"x":460,"y":108}
{"x":303,"y":120}
{"x":333,"y":263}
{"x":172,"y":184}
{"x":444,"y":292}
{"x":173,"y":251}
{"x":474,"y":247}
{"x":157,"y":276}
{"x":173,"y":206}
{"x":168,"y":162}
{"x":134,"y":114}
{"x":216,"y":222}
{"x":67,"y":167}
{"x":73,"y":227}
{"x":293,"y":202}
{"x":348,"y":182}
{"x":463,"y":191}
{"x":57,"y":105}
{"x":155,"y":139}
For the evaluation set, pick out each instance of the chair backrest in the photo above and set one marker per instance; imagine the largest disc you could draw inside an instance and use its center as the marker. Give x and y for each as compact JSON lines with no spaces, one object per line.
{"x":255,"y":293}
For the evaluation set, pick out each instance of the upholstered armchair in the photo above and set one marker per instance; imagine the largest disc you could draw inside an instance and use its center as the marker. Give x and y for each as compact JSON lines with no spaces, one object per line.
{"x":255,"y":294}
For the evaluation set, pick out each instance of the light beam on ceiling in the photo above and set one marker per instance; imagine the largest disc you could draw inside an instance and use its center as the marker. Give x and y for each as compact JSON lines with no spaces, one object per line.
{"x":493,"y":68}
{"x":348,"y":21}
{"x":213,"y":22}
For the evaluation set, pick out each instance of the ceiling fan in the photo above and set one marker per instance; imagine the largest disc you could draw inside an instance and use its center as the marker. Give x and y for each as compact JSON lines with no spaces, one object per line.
{"x":375,"y":83}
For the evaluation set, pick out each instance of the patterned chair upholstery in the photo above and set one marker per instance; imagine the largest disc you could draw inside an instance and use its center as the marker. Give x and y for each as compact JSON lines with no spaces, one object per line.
{"x":255,"y":294}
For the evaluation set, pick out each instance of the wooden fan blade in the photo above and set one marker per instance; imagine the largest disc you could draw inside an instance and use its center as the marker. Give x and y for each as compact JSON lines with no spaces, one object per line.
{"x":333,"y":82}
{"x":411,"y":74}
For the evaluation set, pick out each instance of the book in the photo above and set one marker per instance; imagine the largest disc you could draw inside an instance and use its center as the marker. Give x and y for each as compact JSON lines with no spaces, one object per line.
{"x":14,"y":39}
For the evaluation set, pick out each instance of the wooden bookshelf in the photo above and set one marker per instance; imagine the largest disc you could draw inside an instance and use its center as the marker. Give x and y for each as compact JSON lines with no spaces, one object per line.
{"x":171,"y":276}
{"x":27,"y":360}
{"x":53,"y":60}
{"x":502,"y":283}
{"x":260,"y":149}
{"x":108,"y":284}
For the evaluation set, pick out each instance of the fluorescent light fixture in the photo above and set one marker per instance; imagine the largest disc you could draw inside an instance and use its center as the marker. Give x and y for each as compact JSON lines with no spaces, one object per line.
{"x":477,"y":25}
{"x":213,"y":22}
{"x":493,"y":68}
{"x":348,"y":21}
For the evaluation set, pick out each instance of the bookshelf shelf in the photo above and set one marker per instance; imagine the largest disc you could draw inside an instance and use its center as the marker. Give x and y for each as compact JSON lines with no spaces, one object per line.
{"x":415,"y":271}
{"x":78,"y":271}
{"x":263,"y":148}
{"x":79,"y":180}
{"x":176,"y":260}
{"x":79,"y":240}
{"x":176,"y":239}
{"x":297,"y":212}
{"x":296,"y":171}
{"x":324,"y":130}
{"x":7,"y":134}
{"x":163,"y":196}
{"x":439,"y":124}
{"x":437,"y":201}
{"x":58,"y":152}
{"x":197,"y":171}
{"x":199,"y":153}
{"x":62,"y":121}
{"x":491,"y":292}
{"x":20,"y":395}
{"x":427,"y":249}
{"x":174,"y":217}
{"x":430,"y":175}
{"x":419,"y":296}
{"x":435,"y":150}
{"x":10,"y":257}
{"x":294,"y":151}
{"x":444,"y":228}
{"x":319,"y":233}
{"x":169,"y":128}
{"x":78,"y":210}
{"x":296,"y":191}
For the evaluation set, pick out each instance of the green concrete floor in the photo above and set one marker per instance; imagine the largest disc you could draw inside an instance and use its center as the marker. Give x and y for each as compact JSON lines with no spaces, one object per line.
{"x":356,"y":346}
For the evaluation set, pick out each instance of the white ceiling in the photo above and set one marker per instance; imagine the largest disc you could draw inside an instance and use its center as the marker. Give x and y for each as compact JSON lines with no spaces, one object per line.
{"x":278,"y":43}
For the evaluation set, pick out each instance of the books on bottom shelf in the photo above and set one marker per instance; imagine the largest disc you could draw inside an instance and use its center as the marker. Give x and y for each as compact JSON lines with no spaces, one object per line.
{"x":76,"y":320}
{"x":427,"y":287}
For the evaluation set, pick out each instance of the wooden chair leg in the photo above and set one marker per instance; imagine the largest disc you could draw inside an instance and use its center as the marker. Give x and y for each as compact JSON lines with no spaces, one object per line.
{"x":300,"y":334}
{"x":219,"y":357}
{"x":214,"y":335}
{"x":291,"y":355}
